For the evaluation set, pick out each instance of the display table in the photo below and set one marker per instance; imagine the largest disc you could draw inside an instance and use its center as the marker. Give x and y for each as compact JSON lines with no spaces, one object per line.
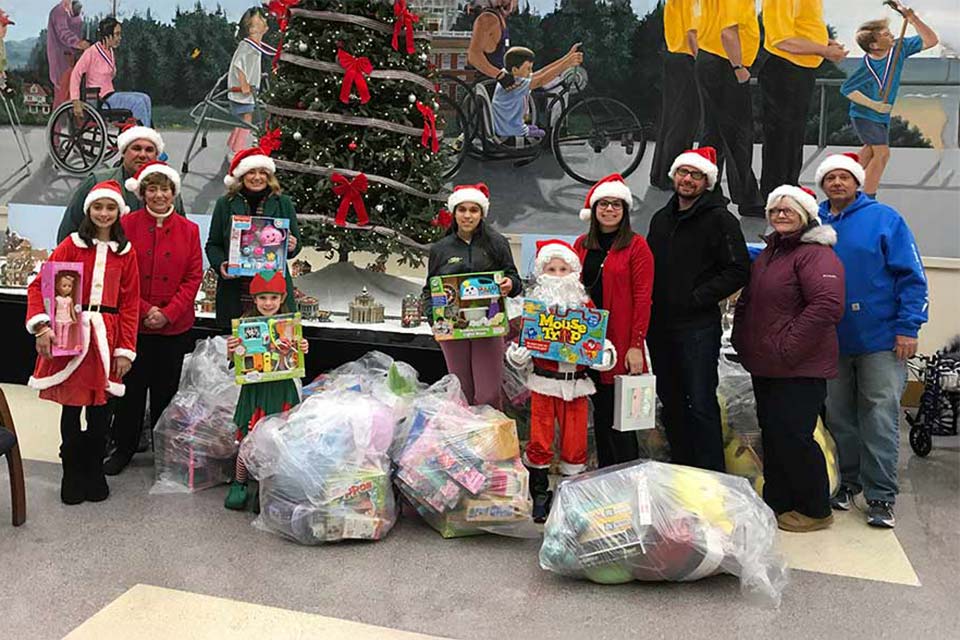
{"x":331,"y":343}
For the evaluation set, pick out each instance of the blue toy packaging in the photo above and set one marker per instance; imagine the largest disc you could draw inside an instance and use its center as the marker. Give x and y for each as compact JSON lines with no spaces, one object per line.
{"x":575,"y":335}
{"x":468,"y":305}
{"x":257,"y":244}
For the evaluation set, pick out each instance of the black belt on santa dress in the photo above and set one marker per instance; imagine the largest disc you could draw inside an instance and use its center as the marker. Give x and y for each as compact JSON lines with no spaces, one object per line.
{"x":557,"y":375}
{"x":100,"y":308}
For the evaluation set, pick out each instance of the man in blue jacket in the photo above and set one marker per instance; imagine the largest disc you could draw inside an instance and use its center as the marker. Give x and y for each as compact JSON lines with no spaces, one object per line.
{"x":886,"y":303}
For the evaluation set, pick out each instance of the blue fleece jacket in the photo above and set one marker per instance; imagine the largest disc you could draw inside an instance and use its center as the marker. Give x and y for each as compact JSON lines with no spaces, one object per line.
{"x":886,"y":292}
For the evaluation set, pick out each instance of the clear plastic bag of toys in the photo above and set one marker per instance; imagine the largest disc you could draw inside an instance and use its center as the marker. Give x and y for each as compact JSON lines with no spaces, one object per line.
{"x":195,"y":438}
{"x":324,"y":469}
{"x":653,"y":521}
{"x":460,"y":467}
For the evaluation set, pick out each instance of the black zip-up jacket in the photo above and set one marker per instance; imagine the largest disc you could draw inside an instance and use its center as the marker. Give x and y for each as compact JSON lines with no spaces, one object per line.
{"x":700,"y":258}
{"x":450,"y":256}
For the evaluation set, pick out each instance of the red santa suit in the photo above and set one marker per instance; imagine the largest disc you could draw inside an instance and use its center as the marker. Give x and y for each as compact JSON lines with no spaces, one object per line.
{"x":110,"y":299}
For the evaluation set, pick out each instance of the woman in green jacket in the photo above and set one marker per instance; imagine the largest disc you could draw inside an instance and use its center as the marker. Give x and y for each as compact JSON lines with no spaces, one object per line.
{"x":252,"y":190}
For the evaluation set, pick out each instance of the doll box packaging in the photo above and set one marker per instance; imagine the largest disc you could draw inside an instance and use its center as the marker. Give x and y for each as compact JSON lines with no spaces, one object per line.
{"x":269,"y":348}
{"x":467,"y":306}
{"x":257,"y":244}
{"x":61,"y":285}
{"x":575,"y":335}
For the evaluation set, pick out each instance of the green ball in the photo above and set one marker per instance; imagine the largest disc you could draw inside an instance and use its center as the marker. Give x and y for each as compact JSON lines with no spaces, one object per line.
{"x":612,"y":573}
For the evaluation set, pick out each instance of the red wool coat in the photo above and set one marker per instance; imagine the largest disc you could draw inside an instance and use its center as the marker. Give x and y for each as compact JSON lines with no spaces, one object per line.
{"x":171,"y":267}
{"x":627,"y":291}
{"x":110,"y":280}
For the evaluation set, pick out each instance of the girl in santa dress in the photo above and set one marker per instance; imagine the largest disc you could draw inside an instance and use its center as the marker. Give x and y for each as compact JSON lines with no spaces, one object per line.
{"x":110,"y":300}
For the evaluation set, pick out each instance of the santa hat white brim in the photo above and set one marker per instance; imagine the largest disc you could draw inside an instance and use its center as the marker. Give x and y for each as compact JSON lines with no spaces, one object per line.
{"x":97,"y":194}
{"x":126,"y":138}
{"x":258,"y":161}
{"x":551,"y":251}
{"x":133,"y":183}
{"x":806,"y":201}
{"x":698,"y":162}
{"x":468,"y":195}
{"x":613,"y":189}
{"x":840,"y":161}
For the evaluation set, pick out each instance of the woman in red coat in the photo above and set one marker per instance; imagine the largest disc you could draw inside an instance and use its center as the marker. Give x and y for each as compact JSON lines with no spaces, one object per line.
{"x":171,"y":267}
{"x":110,"y":296}
{"x":618,"y":275}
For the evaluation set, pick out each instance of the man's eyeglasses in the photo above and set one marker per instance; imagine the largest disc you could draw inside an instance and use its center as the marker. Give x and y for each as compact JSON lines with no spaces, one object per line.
{"x":683,"y":172}
{"x":610,"y":204}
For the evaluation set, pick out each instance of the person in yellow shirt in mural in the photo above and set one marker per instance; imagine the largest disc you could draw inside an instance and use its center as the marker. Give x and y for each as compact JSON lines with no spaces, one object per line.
{"x":728,"y":35}
{"x":680,"y":115}
{"x":797,"y":40}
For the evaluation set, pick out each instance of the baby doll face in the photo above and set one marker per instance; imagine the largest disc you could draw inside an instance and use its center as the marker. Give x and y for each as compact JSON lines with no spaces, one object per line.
{"x":557,"y":267}
{"x":64,"y":286}
{"x":270,"y":236}
{"x":268,"y":304}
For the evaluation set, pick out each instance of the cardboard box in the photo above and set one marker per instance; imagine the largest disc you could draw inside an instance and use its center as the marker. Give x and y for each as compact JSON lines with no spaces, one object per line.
{"x":467,"y":306}
{"x":257,"y":244}
{"x":634,"y":402}
{"x":269,"y":349}
{"x":61,"y":285}
{"x":575,"y":336}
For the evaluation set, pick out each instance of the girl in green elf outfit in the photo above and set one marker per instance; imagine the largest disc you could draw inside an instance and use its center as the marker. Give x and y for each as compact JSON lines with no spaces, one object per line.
{"x":269,"y":292}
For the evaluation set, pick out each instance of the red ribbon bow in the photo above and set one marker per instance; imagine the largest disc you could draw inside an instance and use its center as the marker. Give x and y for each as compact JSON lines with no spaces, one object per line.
{"x":355,"y":70}
{"x":281,"y":10}
{"x":443,"y":219}
{"x":404,"y":21}
{"x":350,"y":192}
{"x":270,"y":141}
{"x":429,"y":138}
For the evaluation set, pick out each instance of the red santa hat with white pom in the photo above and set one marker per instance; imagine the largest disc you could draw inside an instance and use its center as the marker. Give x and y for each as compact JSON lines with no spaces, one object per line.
{"x":547,"y":250}
{"x":243,"y":161}
{"x":131,"y":132}
{"x":109,"y":189}
{"x":613,"y":186}
{"x":133,"y":183}
{"x":847,"y":161}
{"x":702,"y":159}
{"x":803,"y":196}
{"x":477,"y":193}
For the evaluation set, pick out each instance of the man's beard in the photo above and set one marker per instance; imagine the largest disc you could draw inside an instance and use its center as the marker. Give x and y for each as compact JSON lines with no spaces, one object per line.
{"x":559,"y":290}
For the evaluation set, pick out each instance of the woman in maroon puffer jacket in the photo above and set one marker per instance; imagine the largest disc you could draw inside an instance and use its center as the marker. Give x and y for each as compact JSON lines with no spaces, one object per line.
{"x":785,"y":333}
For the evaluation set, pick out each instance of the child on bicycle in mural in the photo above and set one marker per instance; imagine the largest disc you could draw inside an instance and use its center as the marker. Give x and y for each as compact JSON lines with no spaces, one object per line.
{"x":510,"y":102}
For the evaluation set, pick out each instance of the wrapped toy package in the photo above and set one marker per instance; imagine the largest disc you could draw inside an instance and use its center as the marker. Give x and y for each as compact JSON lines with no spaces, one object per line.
{"x":195,"y":438}
{"x":269,"y":348}
{"x":468,"y":305}
{"x":460,"y":468}
{"x":257,"y":244}
{"x":61,"y":285}
{"x":574,"y":335}
{"x":653,"y":521}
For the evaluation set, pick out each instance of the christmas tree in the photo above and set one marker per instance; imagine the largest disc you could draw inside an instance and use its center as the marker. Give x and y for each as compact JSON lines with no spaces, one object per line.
{"x":354,"y":99}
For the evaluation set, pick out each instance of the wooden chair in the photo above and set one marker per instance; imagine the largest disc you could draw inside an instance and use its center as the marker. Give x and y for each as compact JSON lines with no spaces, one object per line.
{"x":10,"y":448}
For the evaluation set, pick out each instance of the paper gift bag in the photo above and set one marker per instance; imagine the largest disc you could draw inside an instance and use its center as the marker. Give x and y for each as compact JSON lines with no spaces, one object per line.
{"x":634,"y":402}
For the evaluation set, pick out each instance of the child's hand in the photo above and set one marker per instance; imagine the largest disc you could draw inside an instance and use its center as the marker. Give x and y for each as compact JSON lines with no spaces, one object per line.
{"x":45,"y":343}
{"x":121,"y":366}
{"x":232,"y":343}
{"x":304,"y":345}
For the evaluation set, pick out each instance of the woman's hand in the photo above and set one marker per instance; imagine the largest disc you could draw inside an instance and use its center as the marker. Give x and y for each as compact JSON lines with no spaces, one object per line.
{"x":304,"y":345}
{"x":155,"y":319}
{"x":291,"y":243}
{"x":506,"y":286}
{"x":634,"y":360}
{"x":232,"y":343}
{"x":223,"y":272}
{"x":45,"y":342}
{"x":121,"y":366}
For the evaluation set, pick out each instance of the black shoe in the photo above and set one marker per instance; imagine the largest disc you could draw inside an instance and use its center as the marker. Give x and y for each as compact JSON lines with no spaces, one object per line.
{"x":71,"y":489}
{"x":880,"y":514}
{"x":541,"y":506}
{"x":843,"y":500}
{"x":116,"y":463}
{"x":540,"y":492}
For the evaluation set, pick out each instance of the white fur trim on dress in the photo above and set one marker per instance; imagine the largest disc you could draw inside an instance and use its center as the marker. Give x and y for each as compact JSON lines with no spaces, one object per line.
{"x":806,"y":201}
{"x":96,"y":194}
{"x":133,"y":183}
{"x":258,"y":161}
{"x":61,"y":376}
{"x":530,"y":465}
{"x":564,"y":389}
{"x":125,"y":353}
{"x":126,"y":138}
{"x":699,"y":163}
{"x":820,"y":234}
{"x":840,"y":161}
{"x":78,"y":242}
{"x":553,"y":250}
{"x":35,"y":320}
{"x":468,"y":195}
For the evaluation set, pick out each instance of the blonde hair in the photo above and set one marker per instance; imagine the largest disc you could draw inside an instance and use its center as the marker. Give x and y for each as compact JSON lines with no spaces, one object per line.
{"x":868,"y":32}
{"x":272,"y":183}
{"x":793,"y":205}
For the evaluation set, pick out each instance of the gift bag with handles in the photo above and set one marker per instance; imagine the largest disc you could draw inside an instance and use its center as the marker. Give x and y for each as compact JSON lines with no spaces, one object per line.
{"x":635,"y":399}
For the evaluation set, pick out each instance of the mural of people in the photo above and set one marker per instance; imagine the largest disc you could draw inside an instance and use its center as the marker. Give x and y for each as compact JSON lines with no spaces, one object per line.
{"x":64,"y":42}
{"x":491,"y":38}
{"x":243,"y":78}
{"x":5,"y":21}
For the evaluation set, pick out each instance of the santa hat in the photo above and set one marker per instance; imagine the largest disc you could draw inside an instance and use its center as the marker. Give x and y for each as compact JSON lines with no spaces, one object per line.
{"x":107,"y":189}
{"x":547,"y":250}
{"x":613,"y":186}
{"x":243,"y":161}
{"x":133,"y":184}
{"x":702,"y":159}
{"x":475,"y":193}
{"x":847,"y":161}
{"x":806,"y":198}
{"x":268,"y":282}
{"x":133,"y":132}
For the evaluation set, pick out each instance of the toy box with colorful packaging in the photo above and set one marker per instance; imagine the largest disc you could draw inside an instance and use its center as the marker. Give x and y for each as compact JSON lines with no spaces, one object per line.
{"x":574,"y":335}
{"x":460,"y":467}
{"x":468,"y":305}
{"x":269,"y":348}
{"x":653,"y":521}
{"x":195,"y":439}
{"x":257,"y":244}
{"x":61,"y":285}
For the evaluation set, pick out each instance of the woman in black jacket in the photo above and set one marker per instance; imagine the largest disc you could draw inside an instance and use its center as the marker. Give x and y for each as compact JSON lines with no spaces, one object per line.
{"x":471,"y":246}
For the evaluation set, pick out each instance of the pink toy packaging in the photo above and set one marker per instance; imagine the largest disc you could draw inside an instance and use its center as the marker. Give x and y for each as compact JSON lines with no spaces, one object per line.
{"x":61,"y":284}
{"x":257,"y":244}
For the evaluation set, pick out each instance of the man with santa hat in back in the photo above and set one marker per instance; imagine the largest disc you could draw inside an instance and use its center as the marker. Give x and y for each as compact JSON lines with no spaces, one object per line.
{"x":558,"y":390}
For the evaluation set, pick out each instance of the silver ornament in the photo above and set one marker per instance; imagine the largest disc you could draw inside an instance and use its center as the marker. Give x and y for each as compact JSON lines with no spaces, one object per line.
{"x":302,"y":46}
{"x":297,"y":136}
{"x":379,"y":208}
{"x":423,"y":57}
{"x":412,"y":98}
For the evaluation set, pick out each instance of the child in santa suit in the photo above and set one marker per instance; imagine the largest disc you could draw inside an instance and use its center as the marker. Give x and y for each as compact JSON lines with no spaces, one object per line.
{"x":111,"y":314}
{"x":558,"y":390}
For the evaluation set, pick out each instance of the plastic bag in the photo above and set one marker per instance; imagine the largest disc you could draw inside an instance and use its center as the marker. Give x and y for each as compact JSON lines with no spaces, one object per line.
{"x":653,"y":521}
{"x":195,"y":438}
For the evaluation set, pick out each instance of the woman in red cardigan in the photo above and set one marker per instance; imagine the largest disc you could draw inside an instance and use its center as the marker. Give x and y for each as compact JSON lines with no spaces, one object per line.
{"x":171,"y":267}
{"x":618,"y":275}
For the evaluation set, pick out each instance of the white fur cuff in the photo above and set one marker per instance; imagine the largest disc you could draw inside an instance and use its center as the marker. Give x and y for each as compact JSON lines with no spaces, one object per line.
{"x":32,"y":323}
{"x":125,"y":353}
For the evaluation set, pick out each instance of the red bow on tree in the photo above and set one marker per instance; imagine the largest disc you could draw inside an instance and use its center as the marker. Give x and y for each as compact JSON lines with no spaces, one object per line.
{"x":429,"y":138}
{"x":281,"y":10}
{"x":404,"y":21}
{"x":270,"y":141}
{"x":351,"y":194}
{"x":355,"y":70}
{"x":443,"y":219}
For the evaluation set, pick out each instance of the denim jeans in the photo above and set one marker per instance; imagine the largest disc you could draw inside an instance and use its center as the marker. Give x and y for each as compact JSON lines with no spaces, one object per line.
{"x":685,"y":363}
{"x":863,"y":414}
{"x":139,"y":104}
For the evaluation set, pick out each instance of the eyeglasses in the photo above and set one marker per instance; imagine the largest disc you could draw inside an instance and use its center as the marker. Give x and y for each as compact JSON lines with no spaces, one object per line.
{"x":683,"y":172}
{"x":786,"y":212}
{"x":610,"y":204}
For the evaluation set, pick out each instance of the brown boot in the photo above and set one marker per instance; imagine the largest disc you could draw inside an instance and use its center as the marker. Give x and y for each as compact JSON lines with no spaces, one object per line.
{"x":799,"y":523}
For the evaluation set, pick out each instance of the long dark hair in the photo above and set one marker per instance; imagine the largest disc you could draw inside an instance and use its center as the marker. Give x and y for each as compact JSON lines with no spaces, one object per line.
{"x":88,"y":231}
{"x":106,"y":27}
{"x":624,"y":232}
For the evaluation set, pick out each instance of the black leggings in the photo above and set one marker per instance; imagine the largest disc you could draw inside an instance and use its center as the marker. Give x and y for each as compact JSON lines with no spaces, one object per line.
{"x":613,"y":447}
{"x":83,"y":451}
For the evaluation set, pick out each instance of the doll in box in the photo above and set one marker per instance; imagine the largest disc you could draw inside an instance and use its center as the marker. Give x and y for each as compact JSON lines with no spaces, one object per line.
{"x":65,"y":313}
